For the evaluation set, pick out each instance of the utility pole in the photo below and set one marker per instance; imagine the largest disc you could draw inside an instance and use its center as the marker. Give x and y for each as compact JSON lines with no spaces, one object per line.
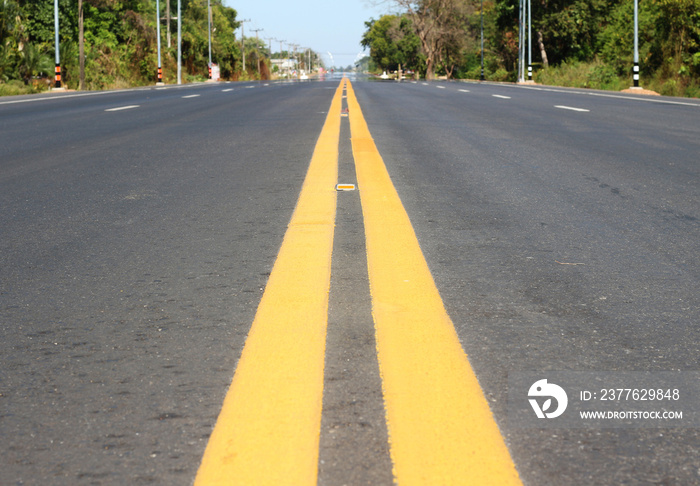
{"x":295,"y":46}
{"x":269,"y":45}
{"x":243,"y":41}
{"x":281,"y":51}
{"x":257,"y":51}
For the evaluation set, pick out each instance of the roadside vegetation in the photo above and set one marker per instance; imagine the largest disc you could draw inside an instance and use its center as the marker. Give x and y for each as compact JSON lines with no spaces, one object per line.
{"x":579,"y":43}
{"x":119,"y":44}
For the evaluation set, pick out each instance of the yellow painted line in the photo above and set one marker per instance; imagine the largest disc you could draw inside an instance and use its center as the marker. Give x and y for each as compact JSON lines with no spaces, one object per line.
{"x":268,"y":430}
{"x":440,"y":426}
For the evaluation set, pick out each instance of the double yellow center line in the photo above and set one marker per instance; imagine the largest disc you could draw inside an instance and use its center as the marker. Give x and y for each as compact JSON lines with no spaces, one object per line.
{"x":440,"y":427}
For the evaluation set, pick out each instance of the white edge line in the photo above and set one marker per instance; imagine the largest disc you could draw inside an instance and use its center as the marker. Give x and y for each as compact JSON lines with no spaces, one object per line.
{"x":650,"y":99}
{"x":59,"y":97}
{"x":570,"y":108}
{"x":120,"y":108}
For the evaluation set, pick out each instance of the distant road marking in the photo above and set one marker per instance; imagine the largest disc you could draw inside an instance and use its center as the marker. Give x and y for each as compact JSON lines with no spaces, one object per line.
{"x":120,"y":108}
{"x":425,"y":84}
{"x":250,"y":87}
{"x":464,"y":90}
{"x":440,"y":426}
{"x":570,"y":108}
{"x":440,"y":87}
{"x":191,"y":96}
{"x":226,"y":90}
{"x":501,"y":96}
{"x":269,"y":427}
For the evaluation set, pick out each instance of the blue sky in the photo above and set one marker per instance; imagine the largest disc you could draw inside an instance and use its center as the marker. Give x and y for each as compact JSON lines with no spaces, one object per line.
{"x":324,"y":25}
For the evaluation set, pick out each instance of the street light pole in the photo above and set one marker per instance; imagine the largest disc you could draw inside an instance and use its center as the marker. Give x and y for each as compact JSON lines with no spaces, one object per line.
{"x":529,"y":40}
{"x":179,"y":41}
{"x":482,"y":40}
{"x":635,"y":72}
{"x":209,"y":30}
{"x":521,"y":39}
{"x":159,"y":74}
{"x":58,"y":53}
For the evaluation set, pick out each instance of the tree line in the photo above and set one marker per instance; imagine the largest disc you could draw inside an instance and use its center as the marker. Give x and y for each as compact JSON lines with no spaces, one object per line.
{"x":119,"y":42}
{"x":584,"y":43}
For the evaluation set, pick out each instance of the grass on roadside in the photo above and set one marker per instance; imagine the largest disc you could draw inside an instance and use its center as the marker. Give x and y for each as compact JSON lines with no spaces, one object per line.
{"x":598,"y":75}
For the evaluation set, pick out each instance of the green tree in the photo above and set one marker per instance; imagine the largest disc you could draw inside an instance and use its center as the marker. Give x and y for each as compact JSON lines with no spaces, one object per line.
{"x":438,"y":24}
{"x":34,"y":63}
{"x":392,"y":42}
{"x":10,"y":39}
{"x":616,"y":40}
{"x":678,"y":30}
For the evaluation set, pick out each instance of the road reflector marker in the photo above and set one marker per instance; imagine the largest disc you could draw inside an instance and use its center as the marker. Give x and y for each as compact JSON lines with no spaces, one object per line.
{"x":345,"y":187}
{"x":269,"y":427}
{"x":120,"y":108}
{"x":441,"y":430}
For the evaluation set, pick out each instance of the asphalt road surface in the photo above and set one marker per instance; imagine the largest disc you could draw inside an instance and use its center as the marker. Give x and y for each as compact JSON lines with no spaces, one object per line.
{"x":138,"y":230}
